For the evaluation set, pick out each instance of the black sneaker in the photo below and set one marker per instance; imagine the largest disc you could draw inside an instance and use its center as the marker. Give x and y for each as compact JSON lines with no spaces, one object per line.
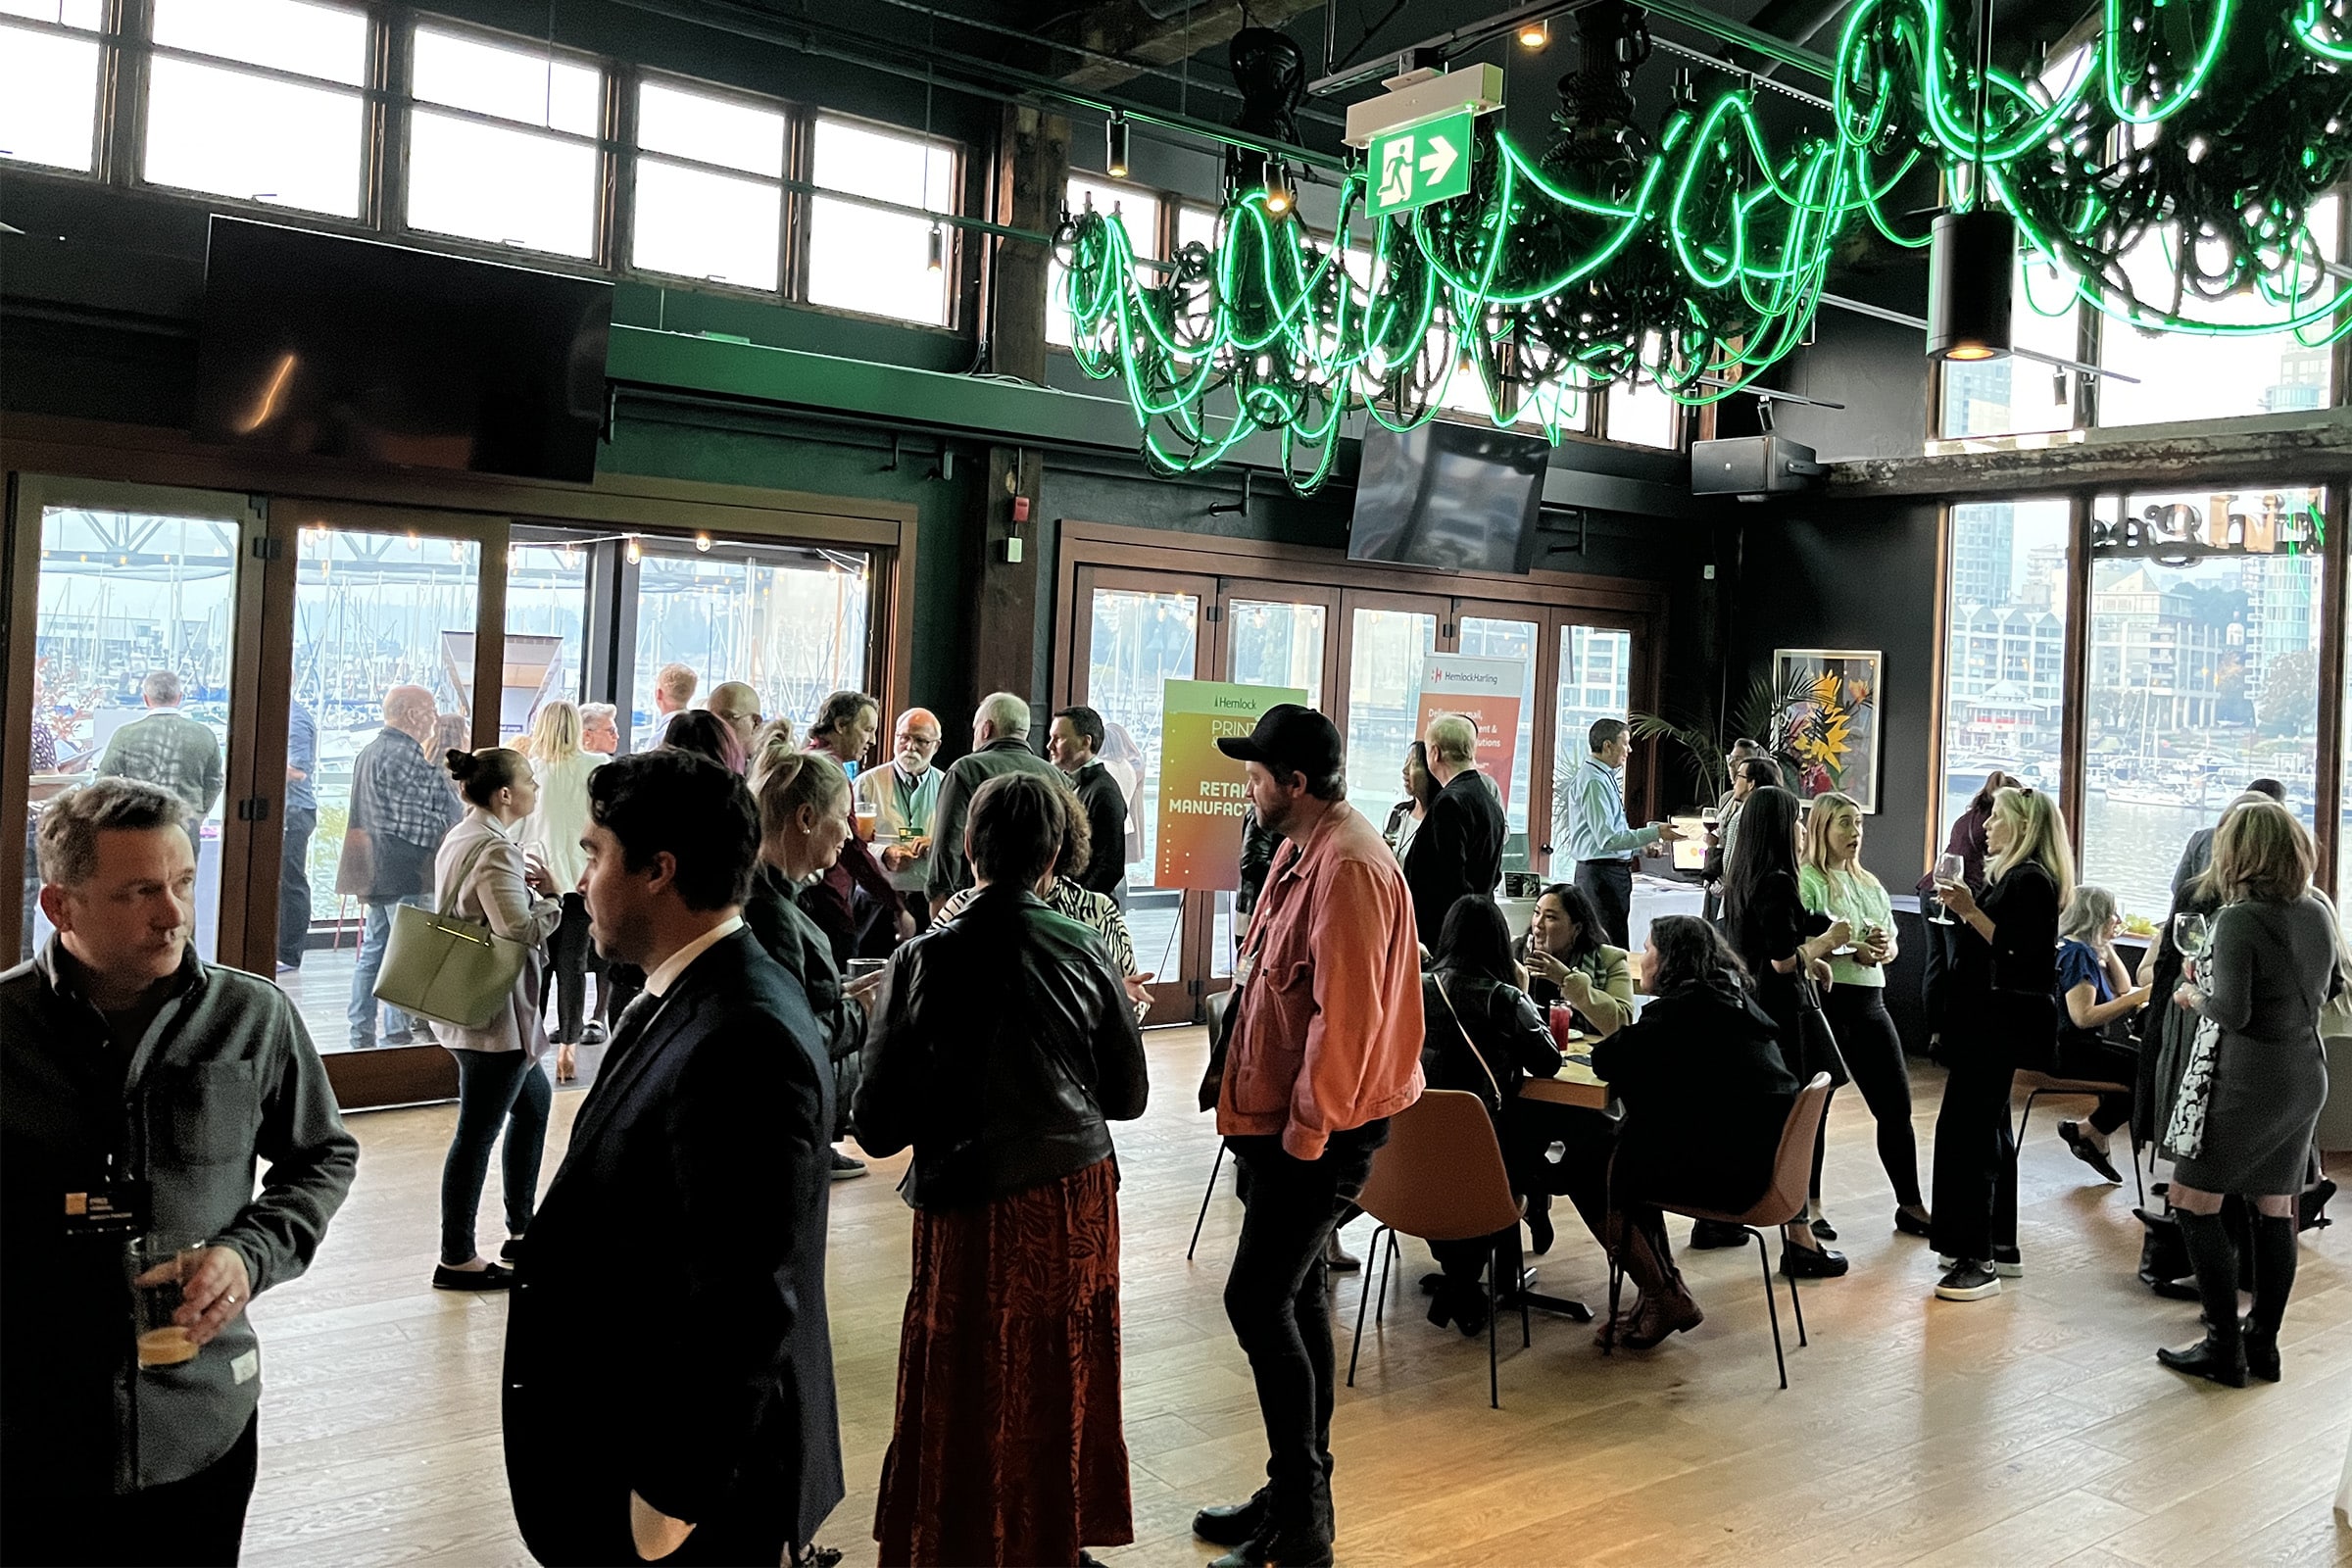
{"x":1277,"y":1550}
{"x":844,"y":1168}
{"x":1970,"y":1281}
{"x":489,"y":1277}
{"x":2007,"y":1264}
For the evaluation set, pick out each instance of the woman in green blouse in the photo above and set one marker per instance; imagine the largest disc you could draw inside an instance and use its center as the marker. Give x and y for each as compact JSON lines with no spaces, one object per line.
{"x":1832,"y":882}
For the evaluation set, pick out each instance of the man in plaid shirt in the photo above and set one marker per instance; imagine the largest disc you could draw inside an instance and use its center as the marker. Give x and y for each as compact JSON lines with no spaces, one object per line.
{"x":167,"y":747}
{"x":401,"y":806}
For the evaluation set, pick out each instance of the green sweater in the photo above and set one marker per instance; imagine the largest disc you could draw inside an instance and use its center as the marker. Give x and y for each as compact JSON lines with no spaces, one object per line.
{"x":1856,"y":897}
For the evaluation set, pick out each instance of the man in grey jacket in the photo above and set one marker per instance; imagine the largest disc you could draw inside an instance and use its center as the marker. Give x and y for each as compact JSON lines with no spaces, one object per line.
{"x":1000,"y":745}
{"x":139,"y":1086}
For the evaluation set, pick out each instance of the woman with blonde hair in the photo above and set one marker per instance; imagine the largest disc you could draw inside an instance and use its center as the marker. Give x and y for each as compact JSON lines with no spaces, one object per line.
{"x":553,"y":833}
{"x":1833,"y":881}
{"x":770,"y":742}
{"x":2256,"y":1081}
{"x":2003,"y":1016}
{"x":2096,"y":994}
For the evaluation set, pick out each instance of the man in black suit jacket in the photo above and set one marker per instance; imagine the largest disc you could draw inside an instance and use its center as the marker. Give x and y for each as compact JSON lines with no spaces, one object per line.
{"x":1458,"y":847}
{"x":669,"y":1374}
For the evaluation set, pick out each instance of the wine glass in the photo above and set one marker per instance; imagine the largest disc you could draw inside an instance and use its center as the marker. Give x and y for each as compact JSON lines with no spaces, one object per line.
{"x":2192,"y":933}
{"x":1949,"y":870}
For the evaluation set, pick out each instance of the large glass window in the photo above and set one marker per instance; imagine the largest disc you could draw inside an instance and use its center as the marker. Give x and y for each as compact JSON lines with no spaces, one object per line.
{"x":1141,"y":641}
{"x":517,"y":163}
{"x":212,"y":126}
{"x":1595,"y":684}
{"x":2204,"y":672}
{"x":49,"y":83}
{"x":1639,"y":413}
{"x":547,"y":610}
{"x":792,"y":623}
{"x":2004,"y":681}
{"x":862,"y":258}
{"x":1137,"y":209}
{"x":713,"y":208}
{"x":2194,"y":375}
{"x":1484,"y":638}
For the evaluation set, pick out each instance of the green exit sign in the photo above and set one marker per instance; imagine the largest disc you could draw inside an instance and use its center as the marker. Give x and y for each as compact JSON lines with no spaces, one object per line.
{"x":1416,"y":164}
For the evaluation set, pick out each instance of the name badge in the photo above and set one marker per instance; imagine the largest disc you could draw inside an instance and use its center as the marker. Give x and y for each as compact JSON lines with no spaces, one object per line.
{"x":109,"y":1207}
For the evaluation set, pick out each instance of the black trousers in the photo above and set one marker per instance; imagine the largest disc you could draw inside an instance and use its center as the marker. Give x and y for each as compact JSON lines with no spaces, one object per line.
{"x":199,"y":1522}
{"x":1873,"y":1056}
{"x":294,"y":887}
{"x":1609,"y":884}
{"x":570,"y":956}
{"x":2098,"y":1059}
{"x":1975,"y":1163}
{"x":1275,"y":1299}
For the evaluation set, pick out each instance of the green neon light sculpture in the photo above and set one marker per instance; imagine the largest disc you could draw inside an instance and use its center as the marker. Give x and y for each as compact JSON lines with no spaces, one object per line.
{"x":1697,"y":262}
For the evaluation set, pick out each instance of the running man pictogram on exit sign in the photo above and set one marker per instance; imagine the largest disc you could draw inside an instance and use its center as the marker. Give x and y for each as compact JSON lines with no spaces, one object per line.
{"x":1416,"y":164}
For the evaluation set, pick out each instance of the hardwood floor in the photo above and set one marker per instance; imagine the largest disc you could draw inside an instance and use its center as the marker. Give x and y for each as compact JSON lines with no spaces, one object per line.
{"x":2035,"y":1428}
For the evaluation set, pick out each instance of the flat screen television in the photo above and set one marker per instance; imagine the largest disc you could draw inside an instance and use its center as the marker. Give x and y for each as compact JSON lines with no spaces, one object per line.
{"x":1457,"y":497}
{"x":319,"y":344}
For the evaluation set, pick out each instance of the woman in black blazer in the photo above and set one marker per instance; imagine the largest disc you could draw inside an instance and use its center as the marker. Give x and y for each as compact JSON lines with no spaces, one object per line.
{"x":1781,"y":942}
{"x":1481,"y":1033}
{"x":1999,"y":1014}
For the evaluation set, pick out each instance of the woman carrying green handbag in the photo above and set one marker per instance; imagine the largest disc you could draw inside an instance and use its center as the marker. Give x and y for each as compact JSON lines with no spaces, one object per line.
{"x":482,"y":876}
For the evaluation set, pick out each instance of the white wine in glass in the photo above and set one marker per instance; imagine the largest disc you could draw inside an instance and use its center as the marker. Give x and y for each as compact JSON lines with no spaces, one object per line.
{"x":1949,"y":870}
{"x":2192,"y":933}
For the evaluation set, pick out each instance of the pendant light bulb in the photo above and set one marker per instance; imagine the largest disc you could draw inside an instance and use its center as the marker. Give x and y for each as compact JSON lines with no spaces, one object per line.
{"x":1278,"y":188}
{"x":936,"y":259}
{"x":1114,"y":146}
{"x":1970,"y":258}
{"x":1535,"y":34}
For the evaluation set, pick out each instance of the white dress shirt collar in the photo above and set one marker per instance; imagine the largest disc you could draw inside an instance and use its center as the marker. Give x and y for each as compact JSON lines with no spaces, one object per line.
{"x":661,"y":979}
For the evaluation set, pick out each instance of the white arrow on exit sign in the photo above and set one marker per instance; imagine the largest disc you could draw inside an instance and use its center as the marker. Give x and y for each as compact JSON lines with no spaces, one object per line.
{"x":1437,"y":161}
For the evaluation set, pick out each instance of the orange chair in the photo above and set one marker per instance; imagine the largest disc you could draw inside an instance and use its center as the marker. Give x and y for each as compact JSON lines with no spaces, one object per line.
{"x":2037,"y":1084}
{"x":1441,"y":1177}
{"x":1783,"y":1201}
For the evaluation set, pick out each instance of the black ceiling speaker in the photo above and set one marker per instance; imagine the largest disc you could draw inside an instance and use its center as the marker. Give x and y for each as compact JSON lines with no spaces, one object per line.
{"x":1969,"y":263}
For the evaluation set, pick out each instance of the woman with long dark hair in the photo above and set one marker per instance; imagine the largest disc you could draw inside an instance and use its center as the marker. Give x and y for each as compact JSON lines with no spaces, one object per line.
{"x":1481,"y":1034}
{"x":1785,"y":948}
{"x":1567,"y":961}
{"x":1966,"y":841}
{"x":2002,"y":1013}
{"x":1420,"y":793}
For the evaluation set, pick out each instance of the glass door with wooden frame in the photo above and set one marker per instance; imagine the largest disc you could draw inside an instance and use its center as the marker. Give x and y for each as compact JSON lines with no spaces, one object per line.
{"x":128,"y":664}
{"x":1276,"y":634}
{"x":1132,"y":633}
{"x":1592,"y":679}
{"x":1514,"y":633}
{"x":1387,"y":641}
{"x":383,"y":628}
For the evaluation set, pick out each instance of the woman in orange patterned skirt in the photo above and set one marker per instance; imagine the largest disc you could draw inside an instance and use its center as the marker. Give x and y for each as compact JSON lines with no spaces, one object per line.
{"x":1003,"y":1044}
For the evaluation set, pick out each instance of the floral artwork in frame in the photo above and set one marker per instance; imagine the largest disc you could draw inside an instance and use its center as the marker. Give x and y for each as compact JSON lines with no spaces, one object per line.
{"x":1829,"y":723}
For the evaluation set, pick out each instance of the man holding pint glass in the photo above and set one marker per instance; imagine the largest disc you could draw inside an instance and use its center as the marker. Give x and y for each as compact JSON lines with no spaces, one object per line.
{"x":138,"y":1087}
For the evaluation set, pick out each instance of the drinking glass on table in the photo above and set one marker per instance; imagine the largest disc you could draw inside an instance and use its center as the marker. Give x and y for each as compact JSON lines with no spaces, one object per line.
{"x":160,"y":1267}
{"x":1949,"y":871}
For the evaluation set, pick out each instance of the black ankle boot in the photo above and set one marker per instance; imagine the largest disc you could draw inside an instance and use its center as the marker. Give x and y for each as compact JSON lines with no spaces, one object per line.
{"x":2275,"y":1249}
{"x":2221,"y":1357}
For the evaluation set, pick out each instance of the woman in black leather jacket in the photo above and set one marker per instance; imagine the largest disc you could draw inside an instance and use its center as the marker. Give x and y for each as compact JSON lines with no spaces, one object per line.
{"x":1003,"y":1044}
{"x":1481,"y":1033}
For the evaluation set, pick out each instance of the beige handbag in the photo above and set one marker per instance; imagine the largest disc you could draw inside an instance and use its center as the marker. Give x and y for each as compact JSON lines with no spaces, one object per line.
{"x":448,"y":969}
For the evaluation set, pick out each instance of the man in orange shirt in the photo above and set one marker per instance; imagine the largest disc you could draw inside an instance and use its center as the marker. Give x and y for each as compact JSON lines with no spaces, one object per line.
{"x":1325,"y":1046}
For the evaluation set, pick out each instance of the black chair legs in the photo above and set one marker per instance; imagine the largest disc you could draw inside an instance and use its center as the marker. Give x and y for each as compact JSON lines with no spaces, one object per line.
{"x":1205,"y":1196}
{"x":1771,"y":1306}
{"x":1364,"y":1294}
{"x":1494,"y":1311}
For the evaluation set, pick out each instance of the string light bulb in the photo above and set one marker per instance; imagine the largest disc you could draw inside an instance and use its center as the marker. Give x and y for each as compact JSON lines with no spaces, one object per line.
{"x":1114,"y":145}
{"x":1534,"y":33}
{"x":1278,"y":188}
{"x":635,"y":553}
{"x":937,"y":259}
{"x":702,"y":542}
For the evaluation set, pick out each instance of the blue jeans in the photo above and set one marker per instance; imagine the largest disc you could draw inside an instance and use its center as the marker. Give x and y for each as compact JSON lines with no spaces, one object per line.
{"x":373,"y":938}
{"x":493,"y":1086}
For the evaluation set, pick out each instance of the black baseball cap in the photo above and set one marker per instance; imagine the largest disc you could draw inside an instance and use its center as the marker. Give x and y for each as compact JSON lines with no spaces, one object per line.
{"x":1289,"y":739}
